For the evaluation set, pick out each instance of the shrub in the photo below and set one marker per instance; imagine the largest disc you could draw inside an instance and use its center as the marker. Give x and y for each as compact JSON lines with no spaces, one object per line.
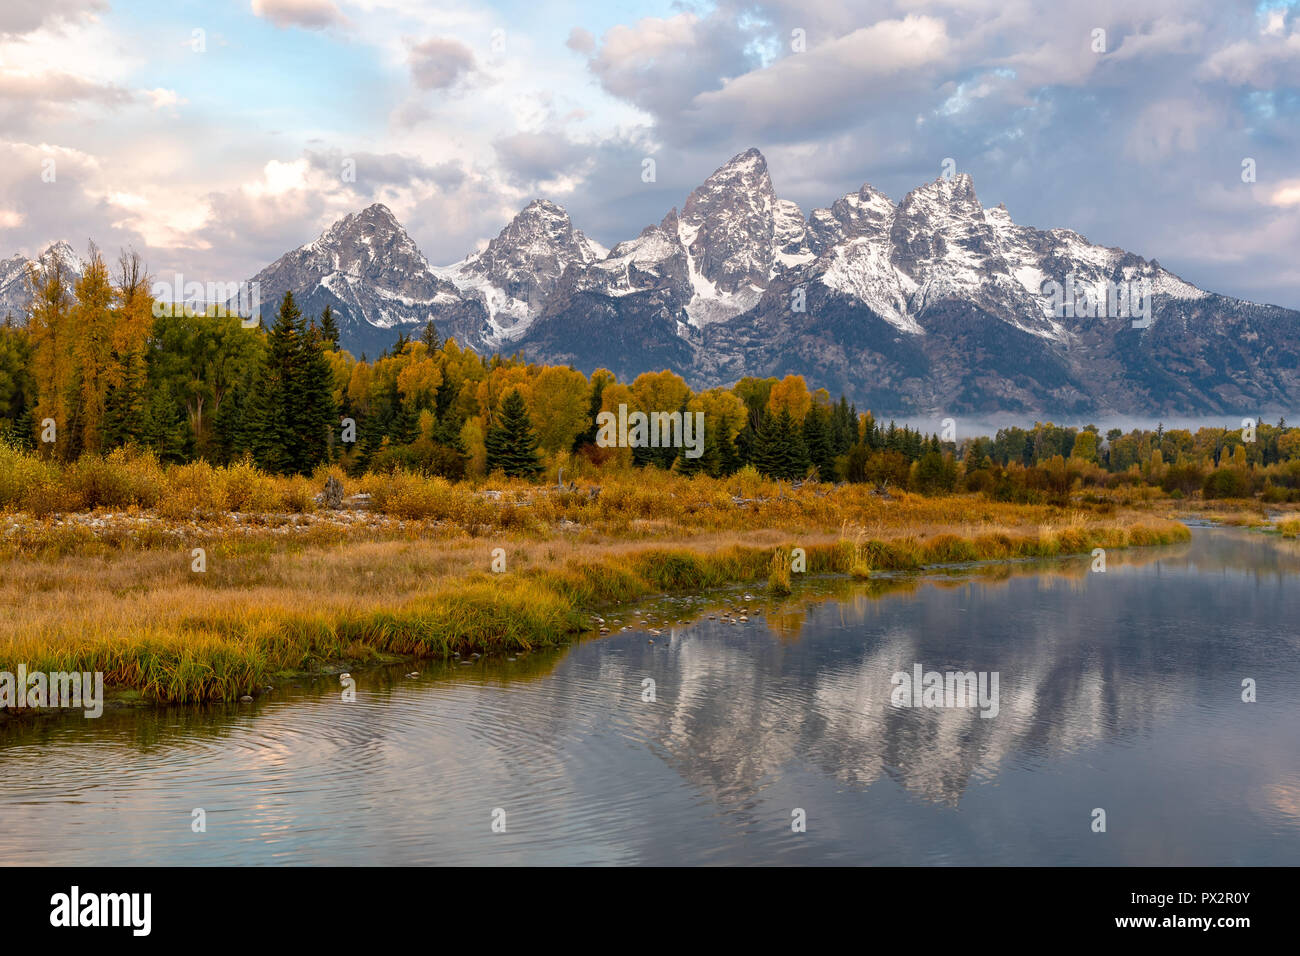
{"x":192,"y":490}
{"x":1227,"y":483}
{"x":246,"y":489}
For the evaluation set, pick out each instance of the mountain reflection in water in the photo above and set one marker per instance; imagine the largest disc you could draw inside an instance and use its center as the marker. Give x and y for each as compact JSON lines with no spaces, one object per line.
{"x":1119,"y":690}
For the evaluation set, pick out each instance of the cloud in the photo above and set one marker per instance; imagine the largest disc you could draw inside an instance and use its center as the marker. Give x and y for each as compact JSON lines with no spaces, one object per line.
{"x":1168,"y":126}
{"x":439,"y":62}
{"x":25,"y":16}
{"x":308,"y":14}
{"x":377,"y":171}
{"x":662,"y":64}
{"x":160,"y":98}
{"x":1286,"y":194}
{"x":1270,"y":59}
{"x":532,"y":159}
{"x":867,"y":65}
{"x":581,"y":40}
{"x":28,"y":98}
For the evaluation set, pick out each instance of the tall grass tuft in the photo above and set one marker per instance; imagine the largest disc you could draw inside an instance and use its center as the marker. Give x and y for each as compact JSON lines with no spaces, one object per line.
{"x":778,"y":578}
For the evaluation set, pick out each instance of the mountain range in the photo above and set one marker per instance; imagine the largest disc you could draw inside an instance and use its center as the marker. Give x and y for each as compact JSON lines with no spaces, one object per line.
{"x":934,"y":305}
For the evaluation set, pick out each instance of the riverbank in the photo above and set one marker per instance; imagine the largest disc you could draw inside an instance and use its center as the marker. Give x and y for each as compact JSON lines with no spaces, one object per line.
{"x":331,"y":593}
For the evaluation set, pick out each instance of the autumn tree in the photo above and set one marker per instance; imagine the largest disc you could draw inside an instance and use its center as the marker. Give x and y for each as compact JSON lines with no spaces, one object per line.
{"x":557,"y":404}
{"x":790,"y":395}
{"x":51,"y":337}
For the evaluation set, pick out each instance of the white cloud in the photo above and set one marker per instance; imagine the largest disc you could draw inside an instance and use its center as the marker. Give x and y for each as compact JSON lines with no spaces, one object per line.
{"x":439,"y":62}
{"x":1269,"y":60}
{"x":1285,"y":195}
{"x":308,"y":14}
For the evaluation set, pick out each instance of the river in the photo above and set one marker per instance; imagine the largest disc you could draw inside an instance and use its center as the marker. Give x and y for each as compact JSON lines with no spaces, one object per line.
{"x":773,"y":740}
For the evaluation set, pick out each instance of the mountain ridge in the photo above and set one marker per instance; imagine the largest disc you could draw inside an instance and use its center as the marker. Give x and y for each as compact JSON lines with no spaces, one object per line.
{"x":934,"y":304}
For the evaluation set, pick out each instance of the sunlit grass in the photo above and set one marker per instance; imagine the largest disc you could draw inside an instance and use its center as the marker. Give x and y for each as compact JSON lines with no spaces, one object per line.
{"x":101,"y":596}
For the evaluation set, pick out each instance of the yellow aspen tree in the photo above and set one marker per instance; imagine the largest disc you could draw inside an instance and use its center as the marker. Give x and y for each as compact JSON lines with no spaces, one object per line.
{"x":92,"y":349}
{"x":50,"y":329}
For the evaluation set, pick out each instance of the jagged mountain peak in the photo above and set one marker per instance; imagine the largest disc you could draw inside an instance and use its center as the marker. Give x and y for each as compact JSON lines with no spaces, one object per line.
{"x":955,"y":193}
{"x":742,"y":178}
{"x":375,"y":218}
{"x":728,"y":227}
{"x":865,"y":212}
{"x":15,"y":292}
{"x":62,"y":249}
{"x":525,"y":261}
{"x":371,"y":243}
{"x":375,"y":278}
{"x":378,"y":210}
{"x":747,"y":167}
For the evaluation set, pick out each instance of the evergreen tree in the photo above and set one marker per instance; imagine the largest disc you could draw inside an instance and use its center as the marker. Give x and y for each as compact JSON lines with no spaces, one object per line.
{"x":315,"y":415}
{"x":234,"y":427}
{"x":126,"y":404}
{"x":277,"y":395}
{"x":430,"y":337}
{"x":779,"y":450}
{"x":165,"y":429}
{"x":729,"y":459}
{"x":743,"y":445}
{"x":844,"y":427}
{"x":329,"y":329}
{"x":817,"y":438}
{"x":511,"y":442}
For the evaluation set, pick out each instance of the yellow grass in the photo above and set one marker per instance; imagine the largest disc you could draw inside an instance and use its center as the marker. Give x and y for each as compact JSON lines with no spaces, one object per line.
{"x":149,"y":622}
{"x":95,"y":560}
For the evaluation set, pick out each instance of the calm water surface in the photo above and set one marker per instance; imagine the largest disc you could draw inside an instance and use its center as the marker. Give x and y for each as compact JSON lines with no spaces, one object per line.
{"x":1119,"y":690}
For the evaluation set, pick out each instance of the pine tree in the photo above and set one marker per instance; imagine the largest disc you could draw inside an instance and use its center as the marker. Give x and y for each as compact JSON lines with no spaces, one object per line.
{"x":743,"y":445}
{"x":164,"y":429}
{"x":511,"y":442}
{"x":275,"y":399}
{"x":763,"y":450}
{"x":817,"y":439}
{"x":430,"y":337}
{"x":126,"y":405}
{"x":779,"y":450}
{"x":234,"y":426}
{"x":844,"y":427}
{"x":729,"y":459}
{"x":314,"y":418}
{"x":329,"y":329}
{"x":792,"y":452}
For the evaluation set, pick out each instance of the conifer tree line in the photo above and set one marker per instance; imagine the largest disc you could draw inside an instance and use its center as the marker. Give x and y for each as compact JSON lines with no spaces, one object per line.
{"x":96,"y":362}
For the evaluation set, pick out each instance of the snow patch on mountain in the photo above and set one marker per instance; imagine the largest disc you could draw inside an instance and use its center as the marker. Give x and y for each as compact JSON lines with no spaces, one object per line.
{"x":15,"y":291}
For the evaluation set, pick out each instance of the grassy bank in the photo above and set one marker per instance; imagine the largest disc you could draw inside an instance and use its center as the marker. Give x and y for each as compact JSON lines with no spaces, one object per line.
{"x":144,"y":618}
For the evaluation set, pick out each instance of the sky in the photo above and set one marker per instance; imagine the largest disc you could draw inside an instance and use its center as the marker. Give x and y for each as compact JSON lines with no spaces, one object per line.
{"x":212,"y":137}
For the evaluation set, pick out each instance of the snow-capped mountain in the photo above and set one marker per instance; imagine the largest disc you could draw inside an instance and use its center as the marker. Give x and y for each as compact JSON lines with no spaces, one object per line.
{"x":15,"y":291}
{"x":934,"y":304}
{"x":513,"y":276}
{"x":376,"y":281}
